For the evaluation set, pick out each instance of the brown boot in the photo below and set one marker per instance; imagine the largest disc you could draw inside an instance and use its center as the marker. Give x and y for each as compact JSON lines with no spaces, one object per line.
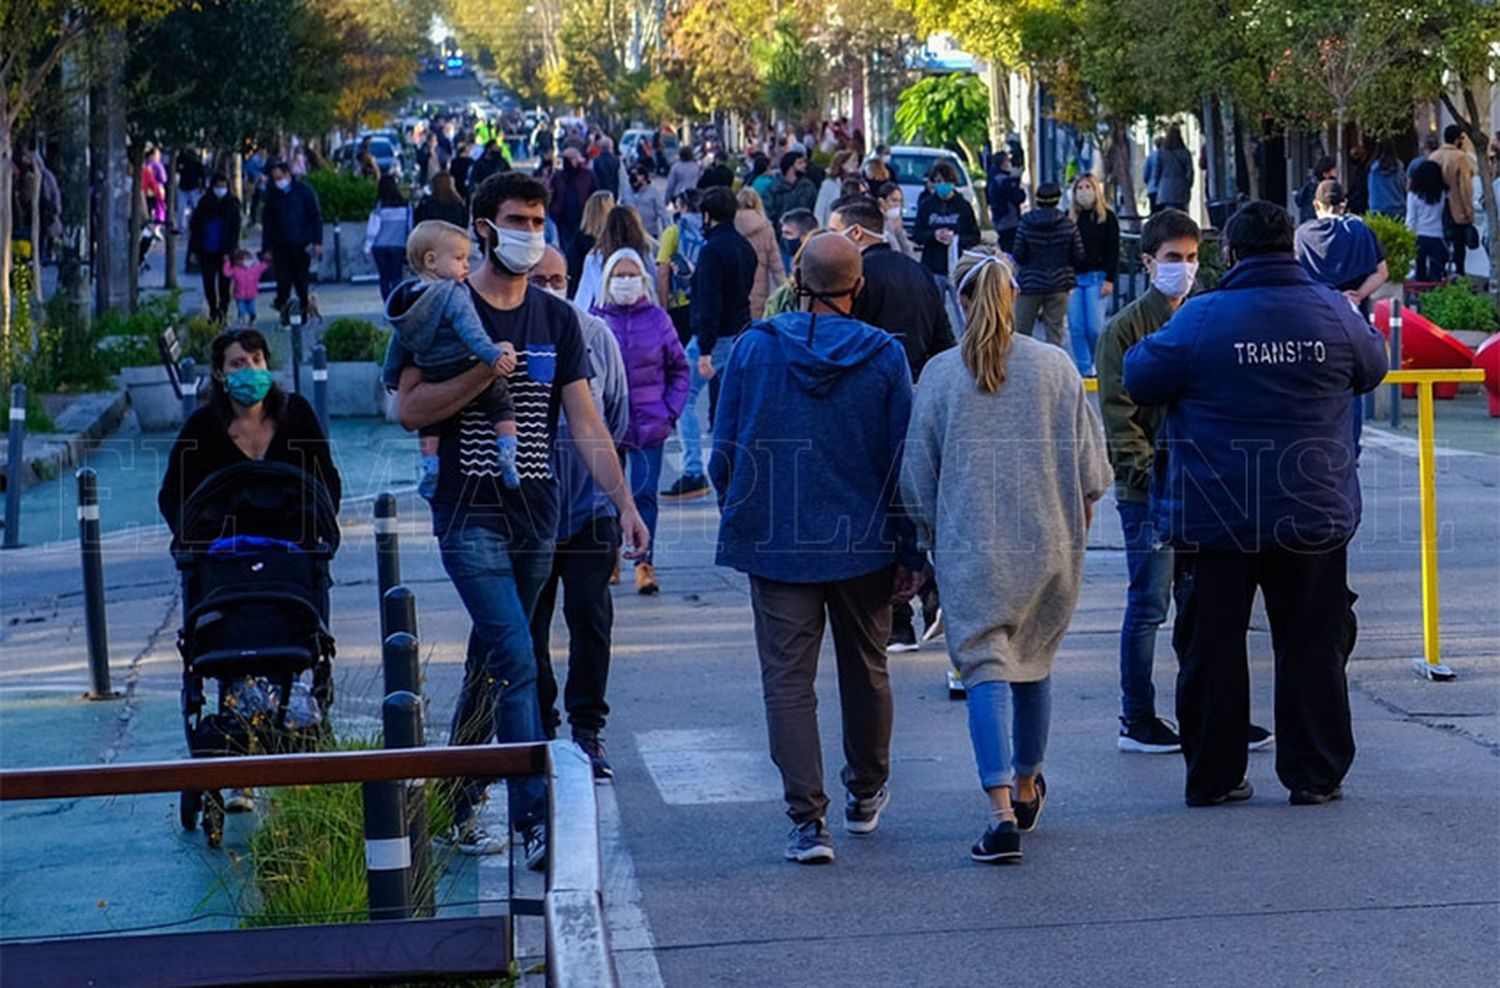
{"x":645,"y":579}
{"x":614,"y":576}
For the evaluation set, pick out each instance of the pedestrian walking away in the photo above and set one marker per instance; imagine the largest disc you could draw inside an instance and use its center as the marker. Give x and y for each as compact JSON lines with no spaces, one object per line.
{"x":214,"y":238}
{"x":588,"y":546}
{"x":1049,"y":250}
{"x":806,"y":452}
{"x":719,"y":299}
{"x":442,"y":202}
{"x":497,"y":543}
{"x":291,"y":226}
{"x":1005,"y":195}
{"x":659,"y":381}
{"x":1006,"y":515}
{"x":1169,"y":253}
{"x":1458,"y":171}
{"x":642,"y":196}
{"x":1227,"y":367}
{"x":386,"y":231}
{"x":1426,"y":205}
{"x":1099,"y":229}
{"x":1174,"y":172}
{"x":770,"y":271}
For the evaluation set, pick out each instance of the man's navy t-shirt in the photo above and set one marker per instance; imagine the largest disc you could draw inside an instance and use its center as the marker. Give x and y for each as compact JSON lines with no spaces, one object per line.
{"x":549,"y":355}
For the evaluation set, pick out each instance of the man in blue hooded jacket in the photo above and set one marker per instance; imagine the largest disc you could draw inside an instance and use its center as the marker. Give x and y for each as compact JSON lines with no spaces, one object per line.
{"x":805,"y":458}
{"x":1255,"y":486}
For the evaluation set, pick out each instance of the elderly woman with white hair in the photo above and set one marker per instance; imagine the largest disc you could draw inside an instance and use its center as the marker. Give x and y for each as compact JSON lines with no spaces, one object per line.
{"x":659,"y":377}
{"x":1004,"y":460}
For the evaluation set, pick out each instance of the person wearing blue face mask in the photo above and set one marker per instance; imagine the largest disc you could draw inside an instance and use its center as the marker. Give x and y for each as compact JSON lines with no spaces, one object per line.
{"x":291,"y":225}
{"x":247,"y":417}
{"x":946,"y":226}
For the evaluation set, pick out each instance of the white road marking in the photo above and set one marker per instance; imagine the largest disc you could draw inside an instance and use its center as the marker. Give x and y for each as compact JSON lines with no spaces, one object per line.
{"x":692,"y":767}
{"x":629,"y":933}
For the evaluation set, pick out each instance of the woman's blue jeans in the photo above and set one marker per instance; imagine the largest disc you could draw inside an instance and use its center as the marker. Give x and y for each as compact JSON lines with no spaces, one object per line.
{"x":498,"y":579}
{"x":1008,"y":725}
{"x":1086,"y":319}
{"x":645,"y":477}
{"x":390,"y":263}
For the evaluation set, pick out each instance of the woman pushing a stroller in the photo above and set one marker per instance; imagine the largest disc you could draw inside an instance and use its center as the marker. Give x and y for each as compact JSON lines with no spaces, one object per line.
{"x":251,"y":495}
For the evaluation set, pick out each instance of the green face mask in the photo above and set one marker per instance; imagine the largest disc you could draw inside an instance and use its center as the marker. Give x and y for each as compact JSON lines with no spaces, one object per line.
{"x":248,"y":385}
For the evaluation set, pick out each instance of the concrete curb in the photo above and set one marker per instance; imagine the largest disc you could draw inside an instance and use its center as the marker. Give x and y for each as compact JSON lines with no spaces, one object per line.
{"x":81,"y":427}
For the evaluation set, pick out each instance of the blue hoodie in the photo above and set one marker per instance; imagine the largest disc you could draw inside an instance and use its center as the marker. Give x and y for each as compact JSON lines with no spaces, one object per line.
{"x":807,"y":450}
{"x":1258,"y":378}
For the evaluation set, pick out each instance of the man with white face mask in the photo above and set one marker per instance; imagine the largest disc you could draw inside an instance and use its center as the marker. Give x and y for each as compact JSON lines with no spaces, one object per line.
{"x":497,"y":544}
{"x":1169,"y":251}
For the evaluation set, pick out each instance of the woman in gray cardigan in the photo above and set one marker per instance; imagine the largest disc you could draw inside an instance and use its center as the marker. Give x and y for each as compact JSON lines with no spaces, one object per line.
{"x":1004,"y":460}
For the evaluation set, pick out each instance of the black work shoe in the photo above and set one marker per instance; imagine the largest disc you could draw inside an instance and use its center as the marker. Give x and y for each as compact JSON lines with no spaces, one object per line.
{"x":903,"y":638}
{"x":1000,"y":844}
{"x":1260,"y":738}
{"x":594,"y":748}
{"x":687,"y":487}
{"x":1311,"y":797}
{"x":1238,"y":794}
{"x":1153,"y":737}
{"x":1028,"y":813}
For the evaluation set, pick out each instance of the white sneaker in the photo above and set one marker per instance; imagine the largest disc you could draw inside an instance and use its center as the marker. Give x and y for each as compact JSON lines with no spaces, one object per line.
{"x":240,"y":801}
{"x":471,"y":838}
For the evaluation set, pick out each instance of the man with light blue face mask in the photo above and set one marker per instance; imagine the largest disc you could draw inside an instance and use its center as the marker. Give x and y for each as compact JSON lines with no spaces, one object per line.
{"x":1169,"y":251}
{"x":497,"y":543}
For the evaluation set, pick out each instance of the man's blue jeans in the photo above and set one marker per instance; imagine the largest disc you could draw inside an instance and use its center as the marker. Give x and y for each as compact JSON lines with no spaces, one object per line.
{"x":689,"y":429}
{"x":1008,"y":726}
{"x":498,"y":580}
{"x":1149,"y":564}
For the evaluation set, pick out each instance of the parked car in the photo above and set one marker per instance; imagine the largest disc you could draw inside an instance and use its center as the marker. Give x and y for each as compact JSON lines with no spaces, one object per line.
{"x":384,"y":146}
{"x":666,"y":146}
{"x":910,"y":165}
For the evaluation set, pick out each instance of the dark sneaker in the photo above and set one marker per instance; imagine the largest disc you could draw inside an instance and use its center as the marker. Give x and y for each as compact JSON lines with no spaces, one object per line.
{"x":594,"y":748}
{"x":534,"y":843}
{"x":687,"y":487}
{"x":810,"y":843}
{"x":1260,"y":738}
{"x":1311,"y":797}
{"x":471,"y":838}
{"x":1238,"y":794}
{"x":1151,"y":737}
{"x":1000,"y":844}
{"x":862,"y":816}
{"x":1028,"y":813}
{"x":903,"y":638}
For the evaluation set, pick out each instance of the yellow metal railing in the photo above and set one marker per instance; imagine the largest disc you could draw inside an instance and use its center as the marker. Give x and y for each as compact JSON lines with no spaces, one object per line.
{"x":1431,"y":664}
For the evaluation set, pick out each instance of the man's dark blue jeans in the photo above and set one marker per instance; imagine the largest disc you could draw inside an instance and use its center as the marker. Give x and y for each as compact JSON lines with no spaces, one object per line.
{"x":1146,"y":601}
{"x":498,"y":580}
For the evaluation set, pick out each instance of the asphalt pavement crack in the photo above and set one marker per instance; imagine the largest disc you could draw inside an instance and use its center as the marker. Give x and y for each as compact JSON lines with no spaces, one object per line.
{"x":131,"y":700}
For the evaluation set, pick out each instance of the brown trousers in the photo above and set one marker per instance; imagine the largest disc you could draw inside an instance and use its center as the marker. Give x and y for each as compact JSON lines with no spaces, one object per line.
{"x":789,"y":621}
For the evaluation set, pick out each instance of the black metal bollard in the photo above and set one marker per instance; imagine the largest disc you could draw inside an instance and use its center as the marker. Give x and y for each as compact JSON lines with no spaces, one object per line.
{"x":16,"y":455}
{"x":187,"y":374}
{"x":387,"y":553}
{"x":400,"y":659}
{"x":338,"y":254}
{"x":401,"y":717}
{"x":387,"y":850}
{"x":320,"y":384}
{"x":398,"y":612}
{"x":297,"y":352}
{"x":1395,"y":362}
{"x":93,"y":585}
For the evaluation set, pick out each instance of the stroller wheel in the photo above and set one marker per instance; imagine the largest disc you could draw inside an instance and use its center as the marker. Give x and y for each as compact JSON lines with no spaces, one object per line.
{"x":189,"y":805}
{"x":213,"y":818}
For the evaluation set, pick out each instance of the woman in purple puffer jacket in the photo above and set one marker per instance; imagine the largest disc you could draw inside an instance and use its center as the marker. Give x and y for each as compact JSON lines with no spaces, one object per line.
{"x":659,"y":379}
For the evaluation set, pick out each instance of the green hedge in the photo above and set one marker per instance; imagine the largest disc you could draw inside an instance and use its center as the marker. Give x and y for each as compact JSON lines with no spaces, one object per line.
{"x":1398,"y":242}
{"x":354,"y":339}
{"x":344,"y":198}
{"x":1456,"y":307}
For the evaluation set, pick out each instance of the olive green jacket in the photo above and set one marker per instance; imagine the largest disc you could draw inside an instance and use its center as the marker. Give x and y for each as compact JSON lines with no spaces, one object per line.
{"x":1129,"y":429}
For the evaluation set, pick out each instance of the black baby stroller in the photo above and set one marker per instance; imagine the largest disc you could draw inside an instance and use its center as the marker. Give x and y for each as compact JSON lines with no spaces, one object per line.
{"x":254,"y":550}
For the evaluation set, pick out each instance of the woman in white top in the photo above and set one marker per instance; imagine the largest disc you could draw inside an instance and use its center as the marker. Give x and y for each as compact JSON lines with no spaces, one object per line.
{"x":845,"y":165}
{"x":622,"y":230}
{"x":1426,"y":199}
{"x":386,"y":233}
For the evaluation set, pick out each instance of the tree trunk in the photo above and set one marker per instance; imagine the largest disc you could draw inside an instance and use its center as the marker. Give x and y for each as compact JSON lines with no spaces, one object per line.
{"x":110,"y":169}
{"x":169,"y":279}
{"x":1124,"y":170}
{"x":37,"y":233}
{"x":1247,"y":151}
{"x":5,"y":253}
{"x":1343,"y":164}
{"x":137,"y":224}
{"x":994,"y":80}
{"x":73,"y":181}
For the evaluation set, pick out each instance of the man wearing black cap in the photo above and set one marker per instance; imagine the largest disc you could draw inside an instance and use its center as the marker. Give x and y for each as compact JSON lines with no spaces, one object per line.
{"x":1049,"y":250}
{"x":1340,"y":250}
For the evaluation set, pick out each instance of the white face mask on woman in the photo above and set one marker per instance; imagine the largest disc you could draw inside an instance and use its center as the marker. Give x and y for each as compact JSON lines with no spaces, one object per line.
{"x":626,"y":289}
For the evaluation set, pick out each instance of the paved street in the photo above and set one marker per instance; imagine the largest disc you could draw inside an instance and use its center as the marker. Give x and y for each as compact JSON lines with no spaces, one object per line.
{"x":1121,"y":883}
